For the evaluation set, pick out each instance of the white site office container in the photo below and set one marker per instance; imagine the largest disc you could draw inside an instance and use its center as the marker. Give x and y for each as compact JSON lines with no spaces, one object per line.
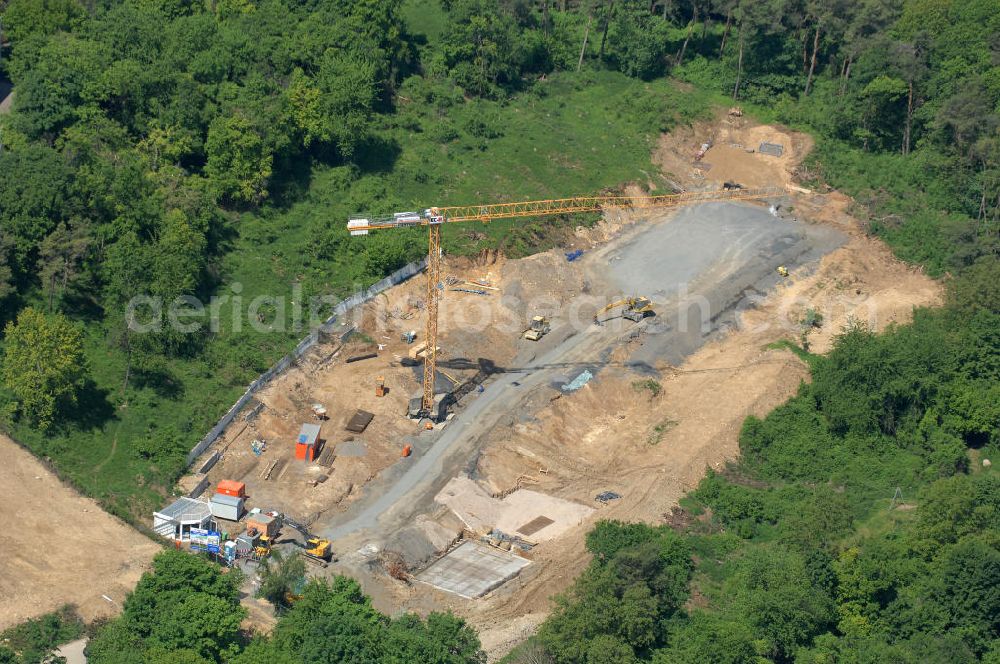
{"x":226,"y":507}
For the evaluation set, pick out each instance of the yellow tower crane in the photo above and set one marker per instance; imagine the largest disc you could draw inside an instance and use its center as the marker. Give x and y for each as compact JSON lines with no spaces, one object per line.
{"x":436,"y":217}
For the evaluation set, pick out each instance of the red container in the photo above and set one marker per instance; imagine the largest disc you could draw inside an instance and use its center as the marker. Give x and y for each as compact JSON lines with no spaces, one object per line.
{"x":232,"y":488}
{"x":305,"y":452}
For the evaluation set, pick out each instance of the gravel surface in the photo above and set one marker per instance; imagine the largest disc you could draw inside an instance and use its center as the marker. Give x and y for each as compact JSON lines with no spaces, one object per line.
{"x":709,"y":262}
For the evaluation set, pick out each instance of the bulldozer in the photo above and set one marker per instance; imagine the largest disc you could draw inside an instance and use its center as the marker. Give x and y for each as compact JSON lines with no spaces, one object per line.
{"x":633,"y":308}
{"x":538,"y":328}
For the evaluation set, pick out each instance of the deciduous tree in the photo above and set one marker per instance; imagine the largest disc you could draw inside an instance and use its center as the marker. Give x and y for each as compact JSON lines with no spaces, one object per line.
{"x":26,"y":18}
{"x":59,"y":257}
{"x":44,"y":364}
{"x":239,"y":162}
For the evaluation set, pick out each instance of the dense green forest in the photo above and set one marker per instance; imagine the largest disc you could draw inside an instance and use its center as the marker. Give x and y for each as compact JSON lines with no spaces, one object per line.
{"x":180,"y":147}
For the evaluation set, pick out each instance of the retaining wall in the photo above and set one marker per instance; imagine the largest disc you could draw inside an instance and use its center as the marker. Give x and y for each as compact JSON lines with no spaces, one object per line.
{"x":397,"y":277}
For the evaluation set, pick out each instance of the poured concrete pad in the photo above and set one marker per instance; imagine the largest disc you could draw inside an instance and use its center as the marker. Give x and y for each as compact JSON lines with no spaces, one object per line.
{"x":481,"y":512}
{"x":524,"y":506}
{"x":472,"y":570}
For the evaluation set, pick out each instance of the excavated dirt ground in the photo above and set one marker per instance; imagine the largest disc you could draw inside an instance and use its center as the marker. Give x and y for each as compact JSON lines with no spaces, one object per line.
{"x":60,"y":547}
{"x":473,"y":326}
{"x":609,"y":435}
{"x":663,"y":444}
{"x":612,"y":436}
{"x":733,"y":156}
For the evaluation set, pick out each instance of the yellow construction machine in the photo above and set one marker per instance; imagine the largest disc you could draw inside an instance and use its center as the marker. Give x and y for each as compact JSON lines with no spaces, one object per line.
{"x":539,"y":328}
{"x":263,"y":547}
{"x":633,"y":308}
{"x":316,"y":549}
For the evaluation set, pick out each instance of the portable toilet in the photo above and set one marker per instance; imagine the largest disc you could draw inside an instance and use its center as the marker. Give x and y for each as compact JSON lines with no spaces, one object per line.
{"x":307,"y":443}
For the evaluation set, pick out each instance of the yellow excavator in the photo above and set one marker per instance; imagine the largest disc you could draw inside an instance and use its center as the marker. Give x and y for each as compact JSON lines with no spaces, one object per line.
{"x":263,"y":548}
{"x":633,"y":308}
{"x":317,"y":550}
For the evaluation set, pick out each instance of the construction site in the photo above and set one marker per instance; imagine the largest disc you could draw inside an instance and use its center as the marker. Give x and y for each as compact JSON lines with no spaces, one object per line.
{"x":457,"y":463}
{"x":450,"y":442}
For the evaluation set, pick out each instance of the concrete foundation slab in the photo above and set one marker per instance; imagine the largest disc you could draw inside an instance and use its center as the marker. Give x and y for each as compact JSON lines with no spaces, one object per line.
{"x":352,"y":448}
{"x":524,"y":506}
{"x":472,"y":570}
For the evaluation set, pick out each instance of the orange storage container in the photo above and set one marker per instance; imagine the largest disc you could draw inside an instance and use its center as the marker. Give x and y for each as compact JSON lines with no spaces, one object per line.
{"x":307,"y":444}
{"x":232,"y":488}
{"x":305,"y":452}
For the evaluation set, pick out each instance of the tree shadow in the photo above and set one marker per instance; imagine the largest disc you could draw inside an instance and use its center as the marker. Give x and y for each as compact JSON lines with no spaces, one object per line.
{"x":10,"y":306}
{"x":377,"y":154}
{"x":221,"y":238}
{"x":291,"y":184}
{"x":6,"y":87}
{"x":92,"y":409}
{"x":409,"y":64}
{"x":158,"y":379}
{"x":83,"y":304}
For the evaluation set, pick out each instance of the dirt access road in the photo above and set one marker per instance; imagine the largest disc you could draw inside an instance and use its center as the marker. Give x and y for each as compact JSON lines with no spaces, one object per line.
{"x":698,"y":265}
{"x":60,"y":547}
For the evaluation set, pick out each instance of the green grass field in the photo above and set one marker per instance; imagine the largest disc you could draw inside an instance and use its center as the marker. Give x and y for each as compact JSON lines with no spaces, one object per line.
{"x":567,"y":135}
{"x":425,"y":18}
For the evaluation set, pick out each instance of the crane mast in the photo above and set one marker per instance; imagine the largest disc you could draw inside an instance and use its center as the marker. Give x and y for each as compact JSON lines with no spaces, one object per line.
{"x":436,"y":217}
{"x":430,"y":336}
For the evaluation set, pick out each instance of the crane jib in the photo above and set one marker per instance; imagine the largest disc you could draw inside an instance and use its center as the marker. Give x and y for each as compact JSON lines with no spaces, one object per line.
{"x":524,"y":209}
